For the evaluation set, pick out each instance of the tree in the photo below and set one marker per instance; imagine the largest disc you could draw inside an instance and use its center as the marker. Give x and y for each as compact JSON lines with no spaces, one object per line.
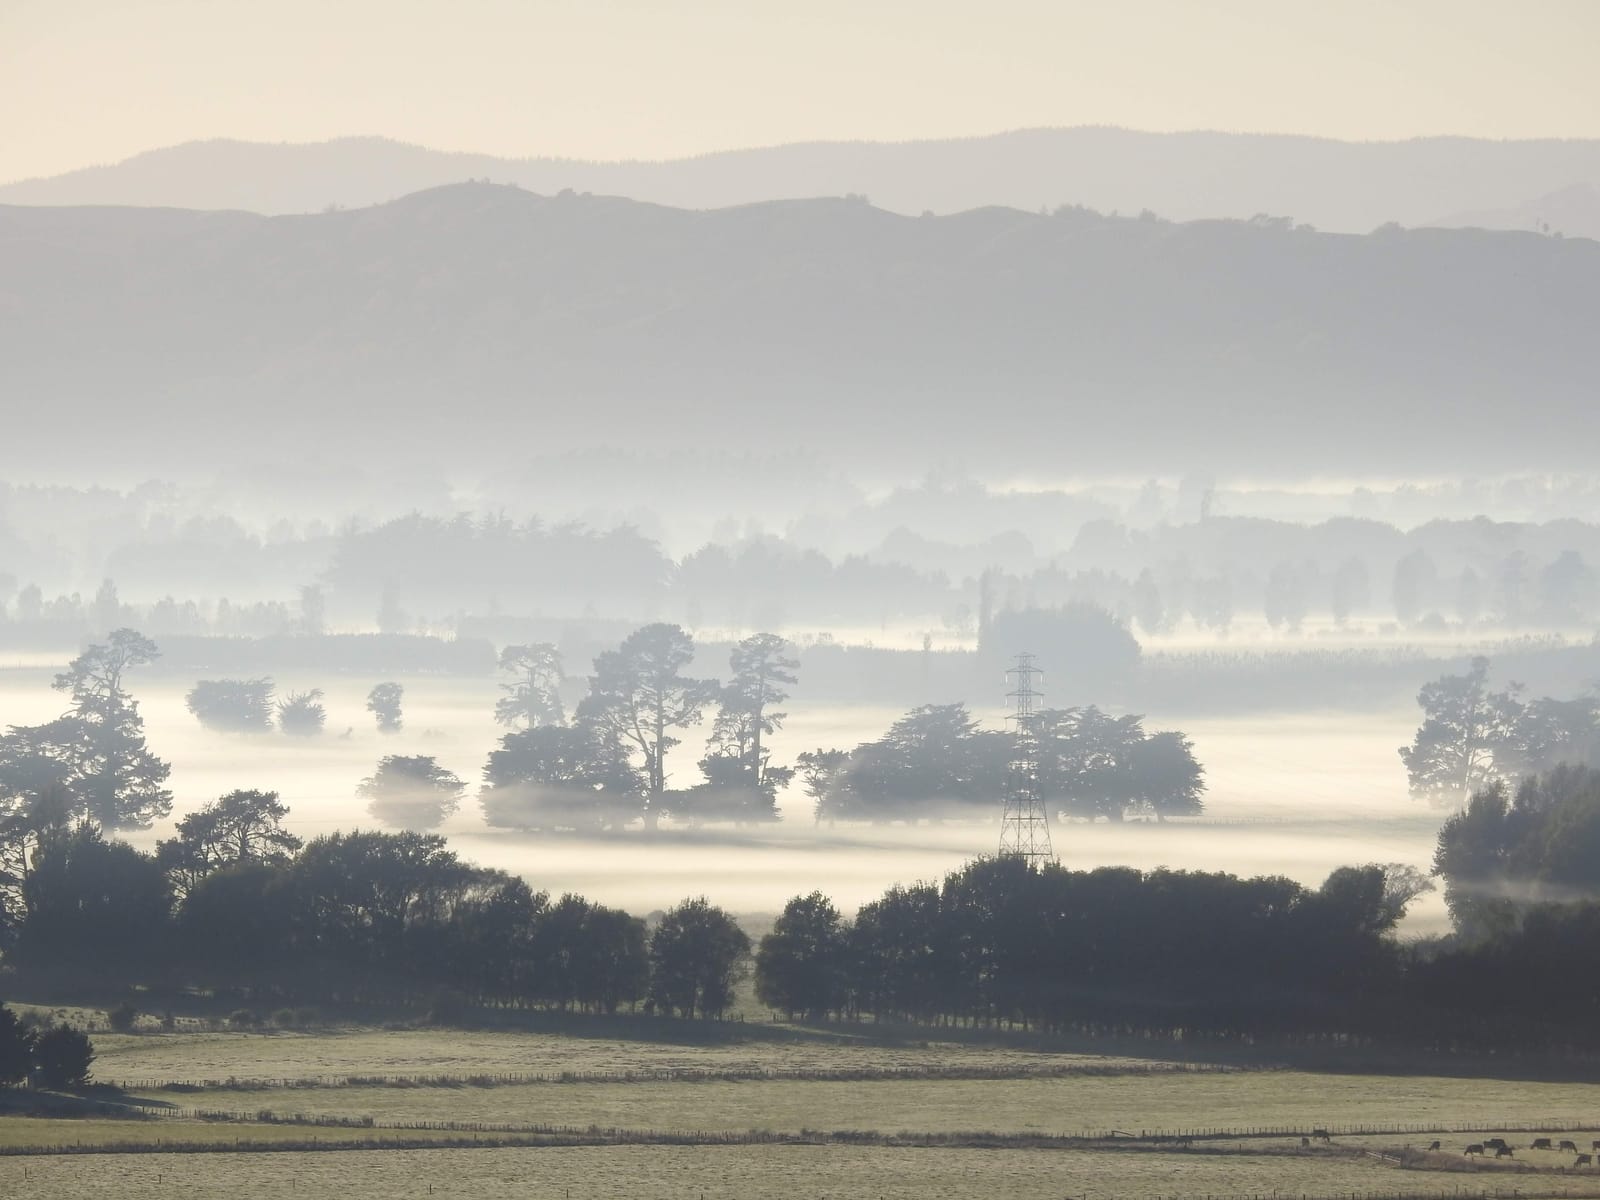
{"x":240,"y":827}
{"x":638,"y":694}
{"x":800,"y":964}
{"x":16,"y":1049}
{"x":232,"y":705}
{"x":697,"y":955}
{"x":1566,"y":591}
{"x":62,"y":1057}
{"x":931,"y":762}
{"x":741,"y":783}
{"x":1465,"y":729}
{"x":560,"y":776}
{"x":1167,"y":780}
{"x":90,"y":902}
{"x":534,"y":697}
{"x":1086,"y":761}
{"x":1285,"y":602}
{"x":383,"y":701}
{"x":1148,"y":608}
{"x":95,"y":754}
{"x":819,"y":769}
{"x":411,"y":791}
{"x":1090,"y":649}
{"x":1504,"y":853}
{"x":302,"y":714}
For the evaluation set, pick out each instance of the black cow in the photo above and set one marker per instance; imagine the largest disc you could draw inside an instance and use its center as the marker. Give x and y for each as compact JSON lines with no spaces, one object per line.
{"x":1539,"y":1144}
{"x":1504,"y":1152}
{"x":1475,"y":1148}
{"x":1433,"y":1145}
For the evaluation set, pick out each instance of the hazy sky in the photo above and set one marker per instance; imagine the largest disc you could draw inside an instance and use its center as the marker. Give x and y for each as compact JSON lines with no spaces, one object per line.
{"x":86,"y":81}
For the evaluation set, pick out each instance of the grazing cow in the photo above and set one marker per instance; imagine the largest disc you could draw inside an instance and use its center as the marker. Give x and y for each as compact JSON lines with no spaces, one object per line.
{"x":1584,"y":1160}
{"x":1305,"y":1141}
{"x":1565,"y":1144}
{"x":1504,"y":1152}
{"x":1539,"y":1144}
{"x":1494,"y":1143}
{"x":1475,"y":1148}
{"x":1321,"y":1133}
{"x":1433,"y":1145}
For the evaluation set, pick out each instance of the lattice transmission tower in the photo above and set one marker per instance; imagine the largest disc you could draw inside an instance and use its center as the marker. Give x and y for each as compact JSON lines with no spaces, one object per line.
{"x":1024,"y":821}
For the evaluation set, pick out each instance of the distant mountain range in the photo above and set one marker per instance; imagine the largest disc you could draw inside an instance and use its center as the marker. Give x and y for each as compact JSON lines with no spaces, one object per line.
{"x":1336,"y":186}
{"x":478,"y":325}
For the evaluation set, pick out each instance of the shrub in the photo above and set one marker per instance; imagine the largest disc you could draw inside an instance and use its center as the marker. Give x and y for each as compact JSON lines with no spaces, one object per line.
{"x":123,"y":1017}
{"x":243,"y":1018}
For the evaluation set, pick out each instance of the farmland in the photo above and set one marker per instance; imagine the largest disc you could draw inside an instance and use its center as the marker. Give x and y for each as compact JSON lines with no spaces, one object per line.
{"x":772,"y":1113}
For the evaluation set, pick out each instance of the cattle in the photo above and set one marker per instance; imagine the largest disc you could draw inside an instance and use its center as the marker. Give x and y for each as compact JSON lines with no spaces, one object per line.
{"x":1584,"y":1160}
{"x":1494,"y":1143}
{"x":1305,"y":1141}
{"x":1565,"y":1144}
{"x":1504,"y":1152}
{"x":1475,"y":1148}
{"x":1595,"y":1145}
{"x":1539,"y":1144}
{"x":1433,"y":1145}
{"x":1320,"y":1133}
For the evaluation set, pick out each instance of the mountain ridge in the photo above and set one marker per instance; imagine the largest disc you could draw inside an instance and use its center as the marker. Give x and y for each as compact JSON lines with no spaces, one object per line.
{"x":1342,"y":186}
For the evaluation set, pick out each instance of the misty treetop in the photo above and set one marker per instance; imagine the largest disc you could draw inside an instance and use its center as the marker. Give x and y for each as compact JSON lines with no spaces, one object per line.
{"x":1472,"y":736}
{"x":612,"y":765}
{"x":936,"y":762}
{"x":411,"y":791}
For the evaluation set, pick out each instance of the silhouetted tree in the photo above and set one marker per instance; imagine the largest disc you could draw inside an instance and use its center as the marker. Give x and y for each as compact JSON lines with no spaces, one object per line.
{"x":16,"y":1049}
{"x":638,"y":694}
{"x":534,"y":698}
{"x":93,"y":903}
{"x":697,"y":955}
{"x":800,"y":964}
{"x":96,"y":753}
{"x":1465,"y":727}
{"x":383,"y":701}
{"x":302,"y":714}
{"x":741,"y":783}
{"x":411,"y":791}
{"x":232,"y":705}
{"x":241,"y":827}
{"x":1507,"y":852}
{"x":62,"y":1057}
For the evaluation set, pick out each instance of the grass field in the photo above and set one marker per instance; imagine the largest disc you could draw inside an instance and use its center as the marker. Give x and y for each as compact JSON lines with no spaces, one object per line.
{"x":688,"y":1173}
{"x":1100,"y":1093}
{"x":1056,"y":1106}
{"x":202,"y":1056}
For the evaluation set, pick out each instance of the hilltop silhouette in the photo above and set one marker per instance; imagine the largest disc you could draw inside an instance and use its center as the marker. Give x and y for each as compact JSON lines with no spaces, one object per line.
{"x":1343,"y":186}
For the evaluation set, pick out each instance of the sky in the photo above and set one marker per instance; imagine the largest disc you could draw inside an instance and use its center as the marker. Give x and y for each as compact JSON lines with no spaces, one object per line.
{"x":93,"y":81}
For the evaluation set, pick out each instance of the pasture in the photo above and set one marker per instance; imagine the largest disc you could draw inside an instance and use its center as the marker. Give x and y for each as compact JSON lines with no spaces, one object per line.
{"x":714,"y":1172}
{"x":771,"y":1113}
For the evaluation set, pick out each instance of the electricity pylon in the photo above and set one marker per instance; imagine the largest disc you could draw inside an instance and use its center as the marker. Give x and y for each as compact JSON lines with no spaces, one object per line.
{"x":1024,"y":821}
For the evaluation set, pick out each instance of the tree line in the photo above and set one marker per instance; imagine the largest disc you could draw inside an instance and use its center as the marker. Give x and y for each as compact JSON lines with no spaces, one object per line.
{"x":236,"y":904}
